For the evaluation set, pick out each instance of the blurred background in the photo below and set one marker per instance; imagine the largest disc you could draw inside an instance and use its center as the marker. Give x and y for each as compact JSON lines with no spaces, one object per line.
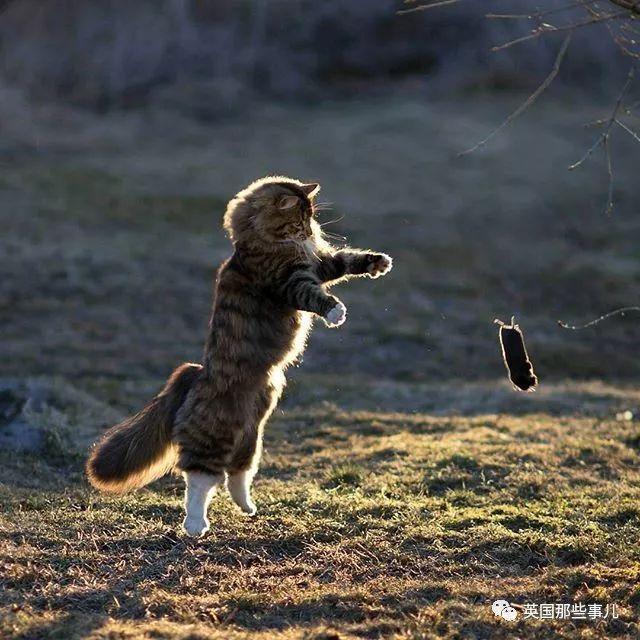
{"x":126,"y":127}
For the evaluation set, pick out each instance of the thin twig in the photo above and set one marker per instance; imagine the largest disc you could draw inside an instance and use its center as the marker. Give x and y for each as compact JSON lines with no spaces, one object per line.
{"x":422,"y":7}
{"x":607,"y":154}
{"x":538,"y":14}
{"x":530,"y":100}
{"x":620,"y":311}
{"x":603,"y":139}
{"x":548,"y":28}
{"x":631,"y":107}
{"x":629,"y":5}
{"x":630,"y":131}
{"x":600,"y":139}
{"x":595,"y":123}
{"x":589,"y":151}
{"x":621,"y":40}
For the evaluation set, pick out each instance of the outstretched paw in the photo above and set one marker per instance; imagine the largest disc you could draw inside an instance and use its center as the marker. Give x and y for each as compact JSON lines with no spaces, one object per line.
{"x":380,"y":264}
{"x":336,"y":316}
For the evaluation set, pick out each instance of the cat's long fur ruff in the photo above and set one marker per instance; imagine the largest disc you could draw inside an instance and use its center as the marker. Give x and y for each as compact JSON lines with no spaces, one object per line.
{"x":209,"y":418}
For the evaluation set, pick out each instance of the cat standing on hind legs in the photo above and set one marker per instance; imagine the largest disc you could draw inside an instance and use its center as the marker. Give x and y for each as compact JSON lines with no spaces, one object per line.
{"x":209,"y":418}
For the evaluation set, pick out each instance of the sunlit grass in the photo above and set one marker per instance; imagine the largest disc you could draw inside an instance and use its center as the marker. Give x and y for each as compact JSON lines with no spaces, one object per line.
{"x":409,"y":529}
{"x":404,"y":487}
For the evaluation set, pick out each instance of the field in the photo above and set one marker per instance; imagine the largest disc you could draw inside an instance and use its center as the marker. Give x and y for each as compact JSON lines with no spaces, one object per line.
{"x":405,"y":486}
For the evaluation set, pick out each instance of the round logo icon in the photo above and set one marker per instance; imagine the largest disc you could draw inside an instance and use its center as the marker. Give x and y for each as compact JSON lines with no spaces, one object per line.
{"x":509,"y":613}
{"x":502,"y":609}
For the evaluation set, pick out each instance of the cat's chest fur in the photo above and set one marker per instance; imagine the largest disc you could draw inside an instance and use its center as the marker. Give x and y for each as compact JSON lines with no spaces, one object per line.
{"x":252,"y":326}
{"x":310,"y":248}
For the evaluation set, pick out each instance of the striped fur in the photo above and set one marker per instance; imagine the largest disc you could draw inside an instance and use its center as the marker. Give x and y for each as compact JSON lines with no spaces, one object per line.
{"x":266,"y":295}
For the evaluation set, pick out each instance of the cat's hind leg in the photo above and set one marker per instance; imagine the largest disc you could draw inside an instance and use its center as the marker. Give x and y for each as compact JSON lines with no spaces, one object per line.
{"x":205,"y":432}
{"x":239,"y":485}
{"x":243,"y":468}
{"x":246,"y":458}
{"x":201,"y":487}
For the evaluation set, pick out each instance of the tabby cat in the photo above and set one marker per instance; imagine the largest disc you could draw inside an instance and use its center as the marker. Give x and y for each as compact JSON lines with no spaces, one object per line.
{"x":208,"y":419}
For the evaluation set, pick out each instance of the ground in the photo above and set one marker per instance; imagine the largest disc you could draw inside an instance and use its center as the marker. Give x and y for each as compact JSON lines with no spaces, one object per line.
{"x":405,"y":485}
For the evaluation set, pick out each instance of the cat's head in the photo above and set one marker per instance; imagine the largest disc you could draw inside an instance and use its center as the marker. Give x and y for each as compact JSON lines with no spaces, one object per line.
{"x":273,"y":210}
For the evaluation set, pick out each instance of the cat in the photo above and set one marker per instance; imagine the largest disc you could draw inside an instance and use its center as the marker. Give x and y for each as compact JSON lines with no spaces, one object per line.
{"x":209,"y":418}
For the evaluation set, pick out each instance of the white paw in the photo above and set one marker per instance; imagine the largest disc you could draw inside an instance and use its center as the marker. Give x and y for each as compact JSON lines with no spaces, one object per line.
{"x":248,"y":507}
{"x":380,"y":266}
{"x":336,"y":316}
{"x":195,"y":527}
{"x":239,"y":486}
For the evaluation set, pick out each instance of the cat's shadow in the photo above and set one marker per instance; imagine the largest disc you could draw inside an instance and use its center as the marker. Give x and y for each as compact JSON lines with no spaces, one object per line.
{"x":167,"y":561}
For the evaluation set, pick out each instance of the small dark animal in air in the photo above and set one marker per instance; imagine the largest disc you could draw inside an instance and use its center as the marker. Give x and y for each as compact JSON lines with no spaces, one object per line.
{"x":515,"y":356}
{"x":209,"y":418}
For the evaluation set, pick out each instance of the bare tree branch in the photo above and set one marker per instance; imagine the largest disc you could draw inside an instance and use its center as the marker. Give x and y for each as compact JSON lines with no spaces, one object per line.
{"x":607,"y":154}
{"x":538,"y":14}
{"x":545,"y":28}
{"x":530,"y":100}
{"x":609,"y":122}
{"x":631,"y":8}
{"x":630,"y":131}
{"x":422,"y":7}
{"x":624,"y":32}
{"x":623,"y":41}
{"x":604,"y":140}
{"x":629,"y":5}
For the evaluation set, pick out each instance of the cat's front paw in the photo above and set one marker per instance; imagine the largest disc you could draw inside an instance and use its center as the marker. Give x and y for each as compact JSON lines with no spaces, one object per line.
{"x":380,"y":264}
{"x":336,"y":316}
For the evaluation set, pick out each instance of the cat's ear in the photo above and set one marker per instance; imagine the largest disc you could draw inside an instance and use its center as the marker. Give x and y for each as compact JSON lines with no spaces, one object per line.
{"x":311,"y":189}
{"x":288,"y":202}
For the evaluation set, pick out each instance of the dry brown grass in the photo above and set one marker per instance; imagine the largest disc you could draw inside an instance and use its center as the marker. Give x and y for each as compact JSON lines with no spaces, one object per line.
{"x":403,"y":487}
{"x":369,"y":525}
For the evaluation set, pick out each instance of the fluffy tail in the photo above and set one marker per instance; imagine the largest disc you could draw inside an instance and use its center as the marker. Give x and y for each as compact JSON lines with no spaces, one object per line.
{"x":139,"y":449}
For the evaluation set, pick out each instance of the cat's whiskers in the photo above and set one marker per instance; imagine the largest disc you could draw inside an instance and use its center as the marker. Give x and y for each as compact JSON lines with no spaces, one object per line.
{"x":324,"y":224}
{"x":308,"y":248}
{"x":335,"y":236}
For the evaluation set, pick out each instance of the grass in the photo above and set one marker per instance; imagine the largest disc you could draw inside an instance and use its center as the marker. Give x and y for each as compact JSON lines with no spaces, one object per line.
{"x":409,"y":527}
{"x":405,"y":486}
